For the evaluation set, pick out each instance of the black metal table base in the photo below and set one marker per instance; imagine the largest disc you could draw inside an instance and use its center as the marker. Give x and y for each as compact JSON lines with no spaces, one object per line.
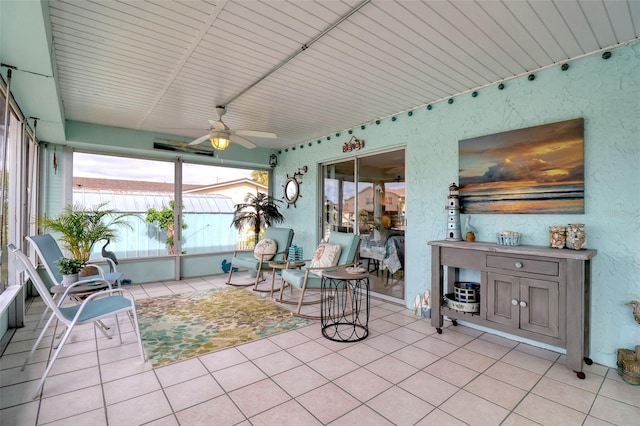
{"x":344,"y":309}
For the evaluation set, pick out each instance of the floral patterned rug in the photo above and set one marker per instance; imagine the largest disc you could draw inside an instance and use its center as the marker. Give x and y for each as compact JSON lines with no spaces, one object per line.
{"x":182,"y":326}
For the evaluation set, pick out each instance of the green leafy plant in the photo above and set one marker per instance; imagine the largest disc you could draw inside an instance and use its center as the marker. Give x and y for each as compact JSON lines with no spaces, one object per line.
{"x":164,"y":218}
{"x":68,"y":266}
{"x":256,"y":212}
{"x":82,"y":227}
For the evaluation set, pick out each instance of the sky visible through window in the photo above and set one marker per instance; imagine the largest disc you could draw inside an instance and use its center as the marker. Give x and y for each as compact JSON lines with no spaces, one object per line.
{"x":112,"y":167}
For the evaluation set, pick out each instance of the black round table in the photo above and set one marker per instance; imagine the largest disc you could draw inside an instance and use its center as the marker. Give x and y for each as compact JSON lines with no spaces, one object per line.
{"x":344,"y":309}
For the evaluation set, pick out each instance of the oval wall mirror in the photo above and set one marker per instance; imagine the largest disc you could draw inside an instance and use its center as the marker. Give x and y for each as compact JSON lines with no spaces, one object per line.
{"x":291,"y":191}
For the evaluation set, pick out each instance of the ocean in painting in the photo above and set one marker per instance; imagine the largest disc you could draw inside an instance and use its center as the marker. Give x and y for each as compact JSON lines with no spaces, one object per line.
{"x":538,"y":199}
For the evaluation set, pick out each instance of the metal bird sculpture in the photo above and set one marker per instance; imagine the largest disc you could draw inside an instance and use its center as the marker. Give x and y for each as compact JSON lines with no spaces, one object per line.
{"x":109,"y":254}
{"x":636,"y":309}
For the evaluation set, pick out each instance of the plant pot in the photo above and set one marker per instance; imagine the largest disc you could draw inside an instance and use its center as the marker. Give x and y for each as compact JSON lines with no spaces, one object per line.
{"x":67,"y":280}
{"x":88,"y":271}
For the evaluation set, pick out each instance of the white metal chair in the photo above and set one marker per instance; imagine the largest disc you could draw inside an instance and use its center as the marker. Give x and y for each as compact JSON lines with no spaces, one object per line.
{"x":95,"y":307}
{"x":49,"y":253}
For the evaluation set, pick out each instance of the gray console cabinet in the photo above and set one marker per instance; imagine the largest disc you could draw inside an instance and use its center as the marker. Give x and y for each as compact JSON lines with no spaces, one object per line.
{"x":535,"y":292}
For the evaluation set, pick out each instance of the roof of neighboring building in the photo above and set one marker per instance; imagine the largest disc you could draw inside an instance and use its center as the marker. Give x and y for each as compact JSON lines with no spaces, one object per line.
{"x":125,"y":185}
{"x":139,"y":202}
{"x":228,"y":183}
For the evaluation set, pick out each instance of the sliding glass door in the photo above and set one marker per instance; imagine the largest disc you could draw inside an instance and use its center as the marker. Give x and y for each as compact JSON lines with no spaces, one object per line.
{"x":366,"y":195}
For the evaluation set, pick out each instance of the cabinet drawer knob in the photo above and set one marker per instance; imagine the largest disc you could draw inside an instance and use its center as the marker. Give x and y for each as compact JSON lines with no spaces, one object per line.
{"x":514,"y":302}
{"x":523,"y":304}
{"x":518,"y":265}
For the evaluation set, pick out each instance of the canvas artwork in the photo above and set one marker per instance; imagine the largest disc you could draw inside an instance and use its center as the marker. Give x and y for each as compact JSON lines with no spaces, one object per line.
{"x":537,"y":170}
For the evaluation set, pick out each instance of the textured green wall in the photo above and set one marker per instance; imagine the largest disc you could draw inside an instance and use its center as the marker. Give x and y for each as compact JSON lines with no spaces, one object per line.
{"x":605,"y":92}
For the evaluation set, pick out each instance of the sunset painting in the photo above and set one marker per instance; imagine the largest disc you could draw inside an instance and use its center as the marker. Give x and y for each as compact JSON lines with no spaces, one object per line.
{"x":534,"y":170}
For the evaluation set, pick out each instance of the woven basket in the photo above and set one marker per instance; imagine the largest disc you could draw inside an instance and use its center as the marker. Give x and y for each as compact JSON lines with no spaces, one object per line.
{"x":512,"y":239}
{"x":449,"y":300}
{"x":624,"y":355}
{"x":631,"y":372}
{"x":629,"y":365}
{"x":88,"y":271}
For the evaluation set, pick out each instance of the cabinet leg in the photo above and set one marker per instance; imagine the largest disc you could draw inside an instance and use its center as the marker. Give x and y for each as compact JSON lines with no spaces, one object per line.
{"x":588,"y":360}
{"x":439,"y":330}
{"x":580,"y":375}
{"x":454,"y":322}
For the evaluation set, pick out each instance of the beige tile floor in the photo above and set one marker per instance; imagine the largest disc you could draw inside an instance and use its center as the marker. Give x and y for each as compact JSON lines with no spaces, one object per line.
{"x":403,"y":374}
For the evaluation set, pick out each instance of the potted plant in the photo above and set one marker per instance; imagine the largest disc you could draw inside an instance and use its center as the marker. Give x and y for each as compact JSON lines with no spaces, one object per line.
{"x":80,"y":227}
{"x":256,"y":212}
{"x":70,"y":269}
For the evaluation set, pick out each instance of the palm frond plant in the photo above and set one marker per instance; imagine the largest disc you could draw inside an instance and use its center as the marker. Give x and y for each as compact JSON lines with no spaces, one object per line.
{"x":257,"y":212}
{"x":81,"y":227}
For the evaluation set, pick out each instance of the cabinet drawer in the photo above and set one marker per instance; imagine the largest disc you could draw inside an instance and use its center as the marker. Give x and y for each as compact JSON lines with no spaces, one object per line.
{"x":523,"y":265}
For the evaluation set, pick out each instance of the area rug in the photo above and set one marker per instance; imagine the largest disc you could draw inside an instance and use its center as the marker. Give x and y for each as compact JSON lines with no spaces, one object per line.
{"x":181,"y":326}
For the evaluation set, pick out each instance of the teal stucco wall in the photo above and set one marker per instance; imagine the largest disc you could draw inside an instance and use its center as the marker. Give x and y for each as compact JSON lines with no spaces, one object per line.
{"x":606,"y":93}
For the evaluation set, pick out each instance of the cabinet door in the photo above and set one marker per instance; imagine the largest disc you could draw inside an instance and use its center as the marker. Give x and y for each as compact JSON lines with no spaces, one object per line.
{"x":540,"y":310}
{"x":501,"y":291}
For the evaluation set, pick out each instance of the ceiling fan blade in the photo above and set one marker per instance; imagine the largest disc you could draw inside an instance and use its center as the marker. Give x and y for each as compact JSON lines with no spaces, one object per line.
{"x":199,"y":140}
{"x":242,"y":141}
{"x":256,"y":134}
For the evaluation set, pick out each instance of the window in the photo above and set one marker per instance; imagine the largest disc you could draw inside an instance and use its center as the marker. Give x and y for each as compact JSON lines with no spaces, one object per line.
{"x":4,"y":202}
{"x":130,"y":185}
{"x":18,"y":184}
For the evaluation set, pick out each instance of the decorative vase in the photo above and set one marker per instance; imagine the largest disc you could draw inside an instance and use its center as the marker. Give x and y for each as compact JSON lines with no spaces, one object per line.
{"x":67,"y":280}
{"x":576,"y":236}
{"x":557,"y":237}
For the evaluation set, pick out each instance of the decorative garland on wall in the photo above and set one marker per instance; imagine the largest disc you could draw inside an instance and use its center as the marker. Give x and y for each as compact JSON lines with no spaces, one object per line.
{"x":450,"y":100}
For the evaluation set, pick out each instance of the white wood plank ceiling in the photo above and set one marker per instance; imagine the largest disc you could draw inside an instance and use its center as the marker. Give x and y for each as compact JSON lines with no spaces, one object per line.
{"x":163,"y":66}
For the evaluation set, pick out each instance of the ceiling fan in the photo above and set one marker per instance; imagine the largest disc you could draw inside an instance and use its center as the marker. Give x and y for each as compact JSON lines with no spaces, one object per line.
{"x":221,"y":135}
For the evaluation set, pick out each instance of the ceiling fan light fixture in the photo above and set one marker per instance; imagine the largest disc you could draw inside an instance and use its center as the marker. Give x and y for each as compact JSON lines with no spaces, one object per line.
{"x":219,"y":140}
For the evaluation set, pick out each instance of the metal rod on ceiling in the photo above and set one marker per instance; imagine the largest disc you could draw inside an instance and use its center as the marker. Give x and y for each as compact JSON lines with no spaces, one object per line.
{"x":297,"y":52}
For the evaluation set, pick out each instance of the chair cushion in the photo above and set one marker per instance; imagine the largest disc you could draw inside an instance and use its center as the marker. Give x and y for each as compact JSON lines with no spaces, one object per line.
{"x":295,"y":277}
{"x":349,"y":244}
{"x":245,"y":260}
{"x":267,"y":248}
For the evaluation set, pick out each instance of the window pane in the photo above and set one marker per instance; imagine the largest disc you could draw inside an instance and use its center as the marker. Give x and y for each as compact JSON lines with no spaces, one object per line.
{"x":3,"y":213}
{"x":209,"y":194}
{"x":339,"y":192}
{"x":127,"y":185}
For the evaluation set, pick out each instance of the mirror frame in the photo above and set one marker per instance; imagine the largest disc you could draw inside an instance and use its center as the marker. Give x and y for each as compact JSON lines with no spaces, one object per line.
{"x":293,"y":183}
